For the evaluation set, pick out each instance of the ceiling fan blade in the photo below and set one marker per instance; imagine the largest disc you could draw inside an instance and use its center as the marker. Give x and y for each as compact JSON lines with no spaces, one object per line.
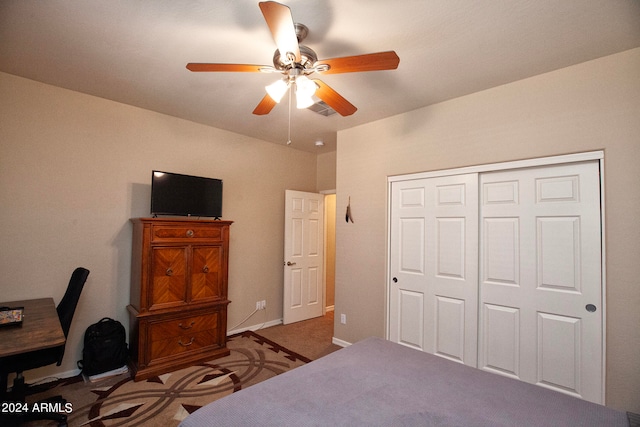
{"x":280,"y":22}
{"x":194,"y":66}
{"x":369,"y":62}
{"x":265,"y":106}
{"x":334,"y":99}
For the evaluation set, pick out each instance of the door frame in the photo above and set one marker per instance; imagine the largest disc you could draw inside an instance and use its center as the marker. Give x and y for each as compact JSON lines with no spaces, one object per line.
{"x":325,"y":309}
{"x":492,"y":167}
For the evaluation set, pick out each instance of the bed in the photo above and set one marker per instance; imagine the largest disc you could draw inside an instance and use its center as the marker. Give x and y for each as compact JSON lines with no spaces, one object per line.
{"x":379,"y":383}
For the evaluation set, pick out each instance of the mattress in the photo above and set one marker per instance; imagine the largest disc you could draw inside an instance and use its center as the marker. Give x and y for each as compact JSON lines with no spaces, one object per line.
{"x":379,"y":383}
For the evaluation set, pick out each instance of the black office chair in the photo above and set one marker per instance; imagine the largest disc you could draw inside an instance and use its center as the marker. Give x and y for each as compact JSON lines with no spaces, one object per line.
{"x":36,"y":359}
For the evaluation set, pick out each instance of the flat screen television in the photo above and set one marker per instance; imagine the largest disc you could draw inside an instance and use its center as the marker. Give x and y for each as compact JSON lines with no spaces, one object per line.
{"x":185,"y":195}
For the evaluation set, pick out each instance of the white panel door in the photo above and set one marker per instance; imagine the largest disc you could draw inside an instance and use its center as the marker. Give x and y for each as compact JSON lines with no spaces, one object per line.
{"x":540,"y":277}
{"x":433,"y":268}
{"x":303,"y":256}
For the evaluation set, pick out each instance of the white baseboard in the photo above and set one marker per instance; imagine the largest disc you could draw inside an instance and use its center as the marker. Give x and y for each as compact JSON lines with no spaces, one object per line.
{"x":339,"y":342}
{"x":68,"y":374}
{"x":329,"y":308}
{"x":47,"y":379}
{"x":255,"y":327}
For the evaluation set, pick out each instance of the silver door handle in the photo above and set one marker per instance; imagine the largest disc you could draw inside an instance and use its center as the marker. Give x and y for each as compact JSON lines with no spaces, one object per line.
{"x":289,"y":263}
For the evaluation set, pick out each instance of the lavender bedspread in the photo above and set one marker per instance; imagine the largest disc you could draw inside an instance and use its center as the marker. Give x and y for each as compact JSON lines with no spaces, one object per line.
{"x":379,"y":383}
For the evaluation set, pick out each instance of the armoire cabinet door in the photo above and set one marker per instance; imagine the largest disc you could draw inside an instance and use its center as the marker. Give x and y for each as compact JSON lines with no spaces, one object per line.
{"x":169,"y":277}
{"x":206,"y":273}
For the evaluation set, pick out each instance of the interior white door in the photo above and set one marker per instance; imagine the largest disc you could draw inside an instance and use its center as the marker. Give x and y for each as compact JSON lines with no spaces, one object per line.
{"x":433,"y":298}
{"x":303,"y":256}
{"x":540,"y":277}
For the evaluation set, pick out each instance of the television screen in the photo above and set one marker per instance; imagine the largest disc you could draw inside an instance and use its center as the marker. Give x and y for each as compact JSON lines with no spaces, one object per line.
{"x":185,"y":195}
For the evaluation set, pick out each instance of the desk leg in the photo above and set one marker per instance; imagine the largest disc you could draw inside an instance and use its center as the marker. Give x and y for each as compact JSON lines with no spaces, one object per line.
{"x":3,"y":386}
{"x":18,"y":391}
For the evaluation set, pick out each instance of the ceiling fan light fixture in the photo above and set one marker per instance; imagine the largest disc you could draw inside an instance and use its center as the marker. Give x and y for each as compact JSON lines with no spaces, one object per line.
{"x":305,"y":86}
{"x":277,"y":89}
{"x":305,"y":89}
{"x":303,"y":101}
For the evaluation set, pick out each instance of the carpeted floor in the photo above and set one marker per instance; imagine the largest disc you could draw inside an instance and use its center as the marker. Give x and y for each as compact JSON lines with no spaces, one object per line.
{"x":309,"y":337}
{"x":165,"y":400}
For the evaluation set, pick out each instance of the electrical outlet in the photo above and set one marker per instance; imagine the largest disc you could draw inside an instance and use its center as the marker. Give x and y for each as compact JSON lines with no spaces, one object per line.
{"x":263,"y":305}
{"x":258,"y":305}
{"x":343,"y":319}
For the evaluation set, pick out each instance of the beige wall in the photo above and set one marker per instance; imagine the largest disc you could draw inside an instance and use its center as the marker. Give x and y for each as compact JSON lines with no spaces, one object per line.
{"x":591,"y":106}
{"x":326,"y":171}
{"x":75,"y":168}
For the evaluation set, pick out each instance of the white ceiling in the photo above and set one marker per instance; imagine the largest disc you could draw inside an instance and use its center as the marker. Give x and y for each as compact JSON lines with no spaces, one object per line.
{"x":135,"y":52}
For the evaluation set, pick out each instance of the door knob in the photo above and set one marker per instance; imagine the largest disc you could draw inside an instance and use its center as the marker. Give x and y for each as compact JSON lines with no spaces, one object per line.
{"x":395,"y":280}
{"x":289,"y":263}
{"x":590,"y":308}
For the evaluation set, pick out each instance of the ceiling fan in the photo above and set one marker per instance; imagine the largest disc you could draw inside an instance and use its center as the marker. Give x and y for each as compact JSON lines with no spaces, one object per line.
{"x":295,"y":62}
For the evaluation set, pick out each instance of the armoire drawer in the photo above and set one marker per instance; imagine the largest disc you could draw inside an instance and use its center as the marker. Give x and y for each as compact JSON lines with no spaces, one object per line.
{"x":186,"y":232}
{"x":190,"y":333}
{"x":183,"y":325}
{"x":184,"y":343}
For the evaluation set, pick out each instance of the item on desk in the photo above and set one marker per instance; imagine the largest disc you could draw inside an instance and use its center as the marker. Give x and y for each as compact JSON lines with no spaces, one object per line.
{"x":11,"y":316}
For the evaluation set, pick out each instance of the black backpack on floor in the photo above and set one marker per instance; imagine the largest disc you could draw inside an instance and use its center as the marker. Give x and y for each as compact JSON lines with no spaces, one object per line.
{"x":105,"y":347}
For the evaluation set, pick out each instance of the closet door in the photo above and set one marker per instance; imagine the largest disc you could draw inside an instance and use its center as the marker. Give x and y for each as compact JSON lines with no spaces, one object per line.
{"x":540,"y":277}
{"x":433,"y":266}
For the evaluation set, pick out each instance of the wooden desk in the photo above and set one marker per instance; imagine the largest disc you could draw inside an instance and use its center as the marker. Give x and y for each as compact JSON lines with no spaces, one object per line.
{"x":40,"y":328}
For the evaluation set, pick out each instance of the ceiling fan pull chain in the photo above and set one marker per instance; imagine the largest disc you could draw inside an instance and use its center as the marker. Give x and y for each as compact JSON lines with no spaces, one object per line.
{"x":289,"y":134}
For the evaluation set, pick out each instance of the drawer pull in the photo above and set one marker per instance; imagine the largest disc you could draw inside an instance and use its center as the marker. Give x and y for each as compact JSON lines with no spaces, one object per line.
{"x":169,"y":272}
{"x":187,"y":327}
{"x":205,"y":269}
{"x":187,"y":344}
{"x":189,"y":233}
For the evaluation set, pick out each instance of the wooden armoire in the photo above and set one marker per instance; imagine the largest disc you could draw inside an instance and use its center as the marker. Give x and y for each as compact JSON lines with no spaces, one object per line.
{"x":178,"y":308}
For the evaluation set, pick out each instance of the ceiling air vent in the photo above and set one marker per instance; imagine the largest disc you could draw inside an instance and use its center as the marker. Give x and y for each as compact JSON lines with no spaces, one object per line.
{"x":322,"y":108}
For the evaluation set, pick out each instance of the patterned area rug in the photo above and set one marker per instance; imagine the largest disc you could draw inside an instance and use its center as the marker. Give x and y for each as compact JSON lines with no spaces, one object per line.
{"x":167,"y":399}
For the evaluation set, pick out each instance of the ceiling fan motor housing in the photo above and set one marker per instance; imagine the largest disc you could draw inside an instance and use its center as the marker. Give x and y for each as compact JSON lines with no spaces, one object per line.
{"x":307,"y":58}
{"x":301,"y":31}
